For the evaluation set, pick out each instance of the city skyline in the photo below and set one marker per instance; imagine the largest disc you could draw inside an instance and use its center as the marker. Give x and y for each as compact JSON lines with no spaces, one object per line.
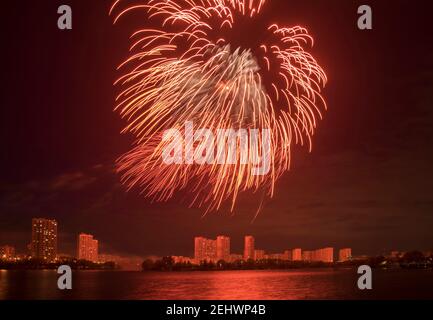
{"x":43,"y":248}
{"x":210,"y":250}
{"x":44,"y":245}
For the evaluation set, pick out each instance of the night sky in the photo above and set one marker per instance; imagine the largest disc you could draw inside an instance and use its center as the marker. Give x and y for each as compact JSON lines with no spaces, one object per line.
{"x":367,"y":185}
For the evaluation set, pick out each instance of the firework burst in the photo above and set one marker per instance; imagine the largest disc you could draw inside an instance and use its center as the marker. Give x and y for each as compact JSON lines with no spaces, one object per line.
{"x":186,"y":70}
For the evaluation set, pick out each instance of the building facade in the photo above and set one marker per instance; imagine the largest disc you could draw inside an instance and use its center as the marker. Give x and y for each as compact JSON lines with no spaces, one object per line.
{"x":275,"y":256}
{"x":324,"y":255}
{"x":205,"y":249}
{"x":223,"y":248}
{"x":44,"y":239}
{"x":259,"y":254}
{"x":319,"y":255}
{"x":287,"y":256}
{"x":345,"y":254}
{"x":308,"y":255}
{"x":87,"y":247}
{"x":297,"y":254}
{"x":249,"y":248}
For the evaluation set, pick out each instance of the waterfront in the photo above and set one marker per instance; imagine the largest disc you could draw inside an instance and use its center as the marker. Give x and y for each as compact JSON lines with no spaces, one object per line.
{"x":237,"y":285}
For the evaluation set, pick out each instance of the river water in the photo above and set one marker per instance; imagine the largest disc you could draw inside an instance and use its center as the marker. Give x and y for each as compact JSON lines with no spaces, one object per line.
{"x":231,"y":285}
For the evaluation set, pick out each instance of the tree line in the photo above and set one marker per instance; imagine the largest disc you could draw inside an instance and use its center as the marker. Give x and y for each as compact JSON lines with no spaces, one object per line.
{"x":413,"y":259}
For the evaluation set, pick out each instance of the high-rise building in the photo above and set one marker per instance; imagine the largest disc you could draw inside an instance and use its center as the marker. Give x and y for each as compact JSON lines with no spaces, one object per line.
{"x":44,"y":239}
{"x":205,"y":249}
{"x":259,"y":254}
{"x":7,"y":252}
{"x":199,"y":247}
{"x":249,"y":248}
{"x":345,"y":254}
{"x":323,"y":255}
{"x":87,"y":247}
{"x":210,"y":250}
{"x":297,"y":254}
{"x":223,"y":248}
{"x":287,"y":256}
{"x":307,"y":255}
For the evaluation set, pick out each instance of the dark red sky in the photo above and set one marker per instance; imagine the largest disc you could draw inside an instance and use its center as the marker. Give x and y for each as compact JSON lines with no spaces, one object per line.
{"x":368,"y":183}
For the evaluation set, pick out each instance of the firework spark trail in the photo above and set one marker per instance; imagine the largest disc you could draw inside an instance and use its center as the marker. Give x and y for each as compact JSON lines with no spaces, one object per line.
{"x":178,"y":76}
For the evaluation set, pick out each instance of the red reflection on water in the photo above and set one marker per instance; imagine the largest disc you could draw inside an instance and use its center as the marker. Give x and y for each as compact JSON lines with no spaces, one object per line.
{"x":239,"y":285}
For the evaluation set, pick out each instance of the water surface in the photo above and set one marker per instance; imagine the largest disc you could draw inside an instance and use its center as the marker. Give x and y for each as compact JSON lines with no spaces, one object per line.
{"x":279,"y":285}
